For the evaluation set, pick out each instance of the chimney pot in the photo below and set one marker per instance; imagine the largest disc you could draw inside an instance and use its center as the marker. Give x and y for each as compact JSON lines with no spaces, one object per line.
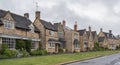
{"x":75,"y":26}
{"x":26,"y":15}
{"x":89,"y":28}
{"x":64,"y":23}
{"x":101,"y":29}
{"x":37,"y":14}
{"x":110,"y":31}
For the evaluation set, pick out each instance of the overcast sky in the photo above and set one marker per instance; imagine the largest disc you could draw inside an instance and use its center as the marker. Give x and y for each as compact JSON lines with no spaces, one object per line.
{"x":95,"y":13}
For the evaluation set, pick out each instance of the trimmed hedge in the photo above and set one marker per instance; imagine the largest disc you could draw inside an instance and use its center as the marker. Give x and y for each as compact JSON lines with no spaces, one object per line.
{"x":10,"y":53}
{"x":7,"y":53}
{"x":60,"y":50}
{"x":38,"y":52}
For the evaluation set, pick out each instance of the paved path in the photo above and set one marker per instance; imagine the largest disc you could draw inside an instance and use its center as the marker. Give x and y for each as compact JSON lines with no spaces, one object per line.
{"x":106,"y":60}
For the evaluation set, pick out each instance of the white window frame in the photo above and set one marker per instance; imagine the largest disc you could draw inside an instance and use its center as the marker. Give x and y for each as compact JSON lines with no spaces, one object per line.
{"x":51,"y":45}
{"x":76,"y":46}
{"x":75,"y":35}
{"x":60,"y":34}
{"x":8,"y":24}
{"x":9,"y":42}
{"x":85,"y":45}
{"x":51,"y":33}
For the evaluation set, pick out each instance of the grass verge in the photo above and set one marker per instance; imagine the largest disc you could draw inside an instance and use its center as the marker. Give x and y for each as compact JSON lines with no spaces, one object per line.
{"x":55,"y":59}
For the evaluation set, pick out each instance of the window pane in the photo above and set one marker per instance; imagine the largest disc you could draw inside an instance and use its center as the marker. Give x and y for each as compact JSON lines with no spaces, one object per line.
{"x":8,"y":24}
{"x":9,"y":42}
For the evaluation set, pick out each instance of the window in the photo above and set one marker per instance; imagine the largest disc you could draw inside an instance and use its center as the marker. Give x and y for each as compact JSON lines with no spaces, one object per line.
{"x":51,"y":45}
{"x":77,"y":46}
{"x":9,"y":41}
{"x":85,"y":45}
{"x":51,"y":33}
{"x":60,"y":34}
{"x":33,"y":45}
{"x":8,"y":24}
{"x":85,"y":38}
{"x":75,"y":35}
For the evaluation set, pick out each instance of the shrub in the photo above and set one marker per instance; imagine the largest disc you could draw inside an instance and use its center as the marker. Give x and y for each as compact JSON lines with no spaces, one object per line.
{"x":118,"y":47}
{"x":96,"y":46}
{"x":88,"y":48}
{"x":39,"y":52}
{"x":10,"y":53}
{"x":60,"y":50}
{"x":6,"y":53}
{"x":3,"y":57}
{"x":3,"y":48}
{"x":20,"y":44}
{"x":24,"y":53}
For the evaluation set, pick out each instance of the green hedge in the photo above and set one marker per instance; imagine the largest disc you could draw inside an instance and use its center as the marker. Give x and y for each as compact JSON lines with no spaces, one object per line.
{"x":10,"y":53}
{"x":23,"y":53}
{"x":38,"y":52}
{"x":5,"y":52}
{"x":60,"y":50}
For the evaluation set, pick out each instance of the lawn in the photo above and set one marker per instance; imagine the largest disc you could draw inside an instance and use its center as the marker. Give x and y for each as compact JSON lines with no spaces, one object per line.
{"x":54,"y":59}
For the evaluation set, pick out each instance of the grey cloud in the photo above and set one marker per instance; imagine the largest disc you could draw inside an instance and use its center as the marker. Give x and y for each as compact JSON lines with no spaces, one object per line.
{"x":60,"y":11}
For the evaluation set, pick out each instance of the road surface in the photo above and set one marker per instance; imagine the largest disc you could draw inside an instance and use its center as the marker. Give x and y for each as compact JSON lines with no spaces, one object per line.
{"x":106,"y":60}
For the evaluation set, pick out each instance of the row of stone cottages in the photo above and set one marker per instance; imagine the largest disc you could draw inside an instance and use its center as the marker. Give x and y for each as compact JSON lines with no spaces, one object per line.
{"x":50,"y":36}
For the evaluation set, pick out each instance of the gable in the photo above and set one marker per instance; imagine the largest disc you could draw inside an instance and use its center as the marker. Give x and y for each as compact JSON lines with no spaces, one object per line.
{"x":38,"y":24}
{"x":85,"y":36}
{"x":101,"y":34}
{"x":20,"y":22}
{"x":8,"y":17}
{"x":61,"y":28}
{"x":81,"y":32}
{"x":48,"y":25}
{"x":91,"y":36}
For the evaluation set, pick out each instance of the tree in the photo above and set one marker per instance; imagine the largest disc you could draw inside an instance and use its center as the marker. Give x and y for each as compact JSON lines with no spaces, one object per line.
{"x":20,"y":44}
{"x":3,"y":48}
{"x":28,"y":44}
{"x":96,"y":46}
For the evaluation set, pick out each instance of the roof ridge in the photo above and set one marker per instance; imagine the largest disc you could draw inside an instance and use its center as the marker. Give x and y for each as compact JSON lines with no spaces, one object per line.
{"x":13,"y":13}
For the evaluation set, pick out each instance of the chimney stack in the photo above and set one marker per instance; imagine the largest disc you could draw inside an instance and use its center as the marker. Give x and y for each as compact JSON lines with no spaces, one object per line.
{"x":26,"y":15}
{"x":64,"y":23}
{"x":101,"y":29}
{"x":75,"y":26}
{"x":110,"y":31}
{"x":89,"y":28}
{"x":37,"y":14}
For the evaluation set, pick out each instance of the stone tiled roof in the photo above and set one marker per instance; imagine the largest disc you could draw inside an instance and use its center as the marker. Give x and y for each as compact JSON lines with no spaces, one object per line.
{"x":52,"y":40}
{"x":2,"y":13}
{"x":20,"y":21}
{"x":48,"y":25}
{"x":81,"y":32}
{"x":56,"y":25}
{"x":108,"y":35}
{"x":61,"y":40}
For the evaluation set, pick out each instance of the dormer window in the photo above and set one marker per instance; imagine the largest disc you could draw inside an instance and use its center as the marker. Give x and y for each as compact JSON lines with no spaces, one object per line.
{"x":51,"y":33}
{"x":31,"y":28}
{"x":75,"y":35}
{"x":8,"y":24}
{"x":60,"y":34}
